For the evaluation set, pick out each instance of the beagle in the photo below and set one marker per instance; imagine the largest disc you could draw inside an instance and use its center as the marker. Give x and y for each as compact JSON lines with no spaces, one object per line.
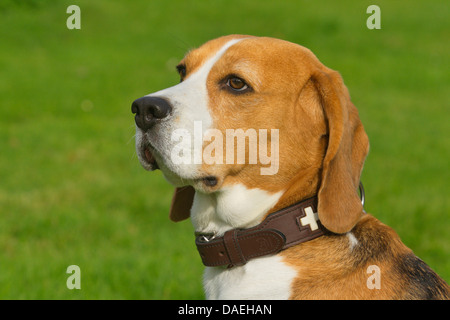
{"x":297,"y":232}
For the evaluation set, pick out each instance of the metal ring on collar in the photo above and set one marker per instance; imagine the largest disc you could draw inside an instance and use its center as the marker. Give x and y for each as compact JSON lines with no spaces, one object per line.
{"x":362,"y":193}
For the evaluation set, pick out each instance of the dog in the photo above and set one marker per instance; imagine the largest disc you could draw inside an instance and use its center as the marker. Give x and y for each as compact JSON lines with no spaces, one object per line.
{"x":300,"y":230}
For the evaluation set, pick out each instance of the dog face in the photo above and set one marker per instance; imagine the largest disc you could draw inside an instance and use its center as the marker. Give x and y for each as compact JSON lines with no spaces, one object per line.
{"x":284,"y":100}
{"x":179,"y":107}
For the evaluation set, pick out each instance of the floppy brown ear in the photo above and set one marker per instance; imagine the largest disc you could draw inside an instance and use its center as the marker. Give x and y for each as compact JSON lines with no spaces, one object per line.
{"x":182,"y":199}
{"x":339,"y":206}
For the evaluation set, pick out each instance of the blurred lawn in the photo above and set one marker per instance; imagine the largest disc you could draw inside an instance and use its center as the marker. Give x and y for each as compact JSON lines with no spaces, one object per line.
{"x":72,"y":190}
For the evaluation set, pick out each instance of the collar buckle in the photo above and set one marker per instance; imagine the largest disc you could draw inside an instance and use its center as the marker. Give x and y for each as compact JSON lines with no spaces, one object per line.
{"x":205,"y":237}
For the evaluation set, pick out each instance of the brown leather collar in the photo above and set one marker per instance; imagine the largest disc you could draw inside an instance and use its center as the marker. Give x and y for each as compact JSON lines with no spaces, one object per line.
{"x":280,"y":230}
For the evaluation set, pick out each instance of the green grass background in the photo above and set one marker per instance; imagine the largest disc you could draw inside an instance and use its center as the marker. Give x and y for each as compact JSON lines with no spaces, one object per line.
{"x":72,"y":190}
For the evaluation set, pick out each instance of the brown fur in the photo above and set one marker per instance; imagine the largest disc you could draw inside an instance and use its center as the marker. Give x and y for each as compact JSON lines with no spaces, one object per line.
{"x":322,"y":146}
{"x":328,"y":268}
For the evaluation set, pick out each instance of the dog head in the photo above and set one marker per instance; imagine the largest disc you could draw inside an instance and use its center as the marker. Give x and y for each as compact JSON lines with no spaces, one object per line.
{"x":272,"y":93}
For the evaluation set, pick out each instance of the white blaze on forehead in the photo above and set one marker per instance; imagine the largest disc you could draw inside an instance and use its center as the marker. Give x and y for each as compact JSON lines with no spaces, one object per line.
{"x":191,"y":95}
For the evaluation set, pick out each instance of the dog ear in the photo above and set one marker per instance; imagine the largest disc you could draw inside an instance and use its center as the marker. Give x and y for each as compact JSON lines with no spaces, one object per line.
{"x":182,"y":199}
{"x":339,"y":206}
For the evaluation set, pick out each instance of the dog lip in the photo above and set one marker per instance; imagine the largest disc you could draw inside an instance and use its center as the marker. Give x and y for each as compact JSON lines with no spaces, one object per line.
{"x":148,"y":156}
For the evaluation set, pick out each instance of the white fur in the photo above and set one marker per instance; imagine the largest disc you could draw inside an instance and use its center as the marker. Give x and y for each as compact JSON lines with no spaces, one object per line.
{"x":231,"y":207}
{"x":262,"y":278}
{"x":352,"y":240}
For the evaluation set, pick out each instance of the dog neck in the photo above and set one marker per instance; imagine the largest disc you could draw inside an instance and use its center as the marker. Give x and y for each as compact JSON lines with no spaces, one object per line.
{"x":237,"y":206}
{"x":234,"y":206}
{"x":283,"y":229}
{"x":303,"y":185}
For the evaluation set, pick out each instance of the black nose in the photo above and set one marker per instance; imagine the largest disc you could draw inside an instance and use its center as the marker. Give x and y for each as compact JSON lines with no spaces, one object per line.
{"x":148,"y":110}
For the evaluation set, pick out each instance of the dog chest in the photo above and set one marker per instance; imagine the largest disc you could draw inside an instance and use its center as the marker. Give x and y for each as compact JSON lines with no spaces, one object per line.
{"x":261,"y":278}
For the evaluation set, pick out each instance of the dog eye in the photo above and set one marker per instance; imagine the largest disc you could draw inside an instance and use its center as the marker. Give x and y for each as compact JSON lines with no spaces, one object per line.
{"x":237,"y":84}
{"x":181,"y":68}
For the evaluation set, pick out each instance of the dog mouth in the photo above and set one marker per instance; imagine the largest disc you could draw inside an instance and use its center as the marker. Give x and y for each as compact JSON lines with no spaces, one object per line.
{"x":148,"y":158}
